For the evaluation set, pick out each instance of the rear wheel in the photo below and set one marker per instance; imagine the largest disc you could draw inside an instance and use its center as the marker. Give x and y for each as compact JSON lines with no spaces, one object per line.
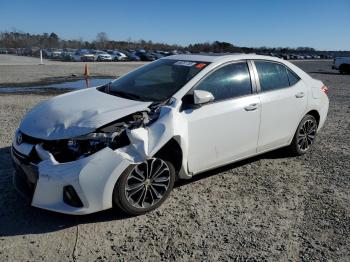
{"x":304,"y":136}
{"x":145,"y":186}
{"x":344,"y":69}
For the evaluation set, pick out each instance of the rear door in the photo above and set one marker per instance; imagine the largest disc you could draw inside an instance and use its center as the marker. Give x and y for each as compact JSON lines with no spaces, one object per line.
{"x":283,"y":97}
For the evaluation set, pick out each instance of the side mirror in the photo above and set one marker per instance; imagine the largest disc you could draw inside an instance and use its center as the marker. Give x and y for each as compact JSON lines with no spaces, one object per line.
{"x":202,"y":97}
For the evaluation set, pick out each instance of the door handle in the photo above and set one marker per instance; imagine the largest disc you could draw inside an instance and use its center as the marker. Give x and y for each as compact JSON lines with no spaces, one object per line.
{"x":300,"y":95}
{"x":251,"y":107}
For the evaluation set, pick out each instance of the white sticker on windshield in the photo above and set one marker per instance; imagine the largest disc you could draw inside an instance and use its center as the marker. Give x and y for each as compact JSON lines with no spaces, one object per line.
{"x":184,"y":63}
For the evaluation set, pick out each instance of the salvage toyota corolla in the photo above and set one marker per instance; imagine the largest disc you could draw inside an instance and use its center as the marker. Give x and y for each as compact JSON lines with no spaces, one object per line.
{"x":125,"y":143}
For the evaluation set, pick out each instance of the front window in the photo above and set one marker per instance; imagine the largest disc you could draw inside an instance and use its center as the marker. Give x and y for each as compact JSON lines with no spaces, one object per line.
{"x":155,"y":82}
{"x":228,"y":82}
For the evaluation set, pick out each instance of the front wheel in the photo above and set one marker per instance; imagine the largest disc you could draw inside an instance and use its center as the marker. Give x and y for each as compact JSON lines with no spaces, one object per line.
{"x":304,"y":136}
{"x":145,"y":186}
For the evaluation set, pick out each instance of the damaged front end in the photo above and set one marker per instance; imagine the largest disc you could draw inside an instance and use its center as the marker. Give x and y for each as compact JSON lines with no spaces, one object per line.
{"x":113,"y":135}
{"x":77,"y":175}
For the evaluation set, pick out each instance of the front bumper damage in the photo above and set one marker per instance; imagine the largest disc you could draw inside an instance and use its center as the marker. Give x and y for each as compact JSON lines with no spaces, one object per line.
{"x":93,"y":178}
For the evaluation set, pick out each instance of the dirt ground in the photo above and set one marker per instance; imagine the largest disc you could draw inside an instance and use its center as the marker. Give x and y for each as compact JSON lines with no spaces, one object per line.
{"x":269,"y":208}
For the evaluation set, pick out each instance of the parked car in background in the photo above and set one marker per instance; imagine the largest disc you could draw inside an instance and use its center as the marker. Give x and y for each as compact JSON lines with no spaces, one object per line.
{"x":68,"y":55}
{"x":326,"y":56}
{"x":125,"y":143}
{"x":11,"y":51}
{"x":3,"y":51}
{"x":102,"y":56}
{"x":342,"y":64}
{"x":156,"y":55}
{"x":117,"y":55}
{"x":56,"y":54}
{"x":131,"y":56}
{"x":83,"y":55}
{"x":145,"y":56}
{"x":164,"y":53}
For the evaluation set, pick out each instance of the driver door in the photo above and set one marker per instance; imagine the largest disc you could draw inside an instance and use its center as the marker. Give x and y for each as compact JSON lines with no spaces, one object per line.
{"x":226,"y":129}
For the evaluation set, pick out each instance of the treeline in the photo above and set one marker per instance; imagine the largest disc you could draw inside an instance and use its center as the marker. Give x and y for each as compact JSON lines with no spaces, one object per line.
{"x":16,"y":39}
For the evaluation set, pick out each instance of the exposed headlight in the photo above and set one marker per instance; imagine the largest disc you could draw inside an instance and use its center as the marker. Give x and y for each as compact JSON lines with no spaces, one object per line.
{"x":112,"y":135}
{"x":79,"y":147}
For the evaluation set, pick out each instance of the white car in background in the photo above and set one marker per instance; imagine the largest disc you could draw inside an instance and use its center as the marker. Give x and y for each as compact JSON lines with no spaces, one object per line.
{"x":56,"y":54}
{"x":83,"y":56}
{"x":342,"y":64}
{"x":125,"y":143}
{"x":102,"y":56}
{"x":118,"y":56}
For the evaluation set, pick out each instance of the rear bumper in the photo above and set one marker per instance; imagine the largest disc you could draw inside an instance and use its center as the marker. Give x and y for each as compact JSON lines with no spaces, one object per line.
{"x":323,"y":111}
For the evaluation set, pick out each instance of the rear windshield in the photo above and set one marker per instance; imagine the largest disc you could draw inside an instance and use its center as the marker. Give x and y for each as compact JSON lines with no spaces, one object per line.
{"x":156,"y":81}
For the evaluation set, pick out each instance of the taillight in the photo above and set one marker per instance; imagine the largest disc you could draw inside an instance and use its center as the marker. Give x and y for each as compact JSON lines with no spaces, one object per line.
{"x":325,"y":90}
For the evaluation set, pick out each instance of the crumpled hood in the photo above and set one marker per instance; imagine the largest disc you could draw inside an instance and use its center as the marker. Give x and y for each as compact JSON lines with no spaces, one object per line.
{"x":76,"y":113}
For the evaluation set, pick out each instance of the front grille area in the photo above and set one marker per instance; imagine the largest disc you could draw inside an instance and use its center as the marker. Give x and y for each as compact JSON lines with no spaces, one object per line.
{"x":25,"y":176}
{"x":33,"y":157}
{"x":30,"y":139}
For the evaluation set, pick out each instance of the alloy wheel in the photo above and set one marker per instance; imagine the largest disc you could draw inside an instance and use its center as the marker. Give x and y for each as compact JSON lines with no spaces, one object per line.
{"x":306,"y":135}
{"x":147,"y":183}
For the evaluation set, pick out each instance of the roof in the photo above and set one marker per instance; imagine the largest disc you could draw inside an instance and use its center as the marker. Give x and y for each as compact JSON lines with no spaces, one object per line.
{"x":218,"y":58}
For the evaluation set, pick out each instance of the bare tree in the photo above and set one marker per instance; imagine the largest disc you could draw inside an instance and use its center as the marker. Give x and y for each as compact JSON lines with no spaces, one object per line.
{"x":102,"y":40}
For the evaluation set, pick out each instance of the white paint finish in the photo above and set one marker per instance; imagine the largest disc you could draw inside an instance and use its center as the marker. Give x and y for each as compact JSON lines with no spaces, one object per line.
{"x":281,"y":112}
{"x":76,"y":113}
{"x":222,"y":132}
{"x":93,"y":178}
{"x":210,"y":136}
{"x":202,"y":97}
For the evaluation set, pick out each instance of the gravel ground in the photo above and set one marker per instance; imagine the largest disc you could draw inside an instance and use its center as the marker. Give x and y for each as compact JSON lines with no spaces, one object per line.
{"x":269,"y":208}
{"x":21,"y":70}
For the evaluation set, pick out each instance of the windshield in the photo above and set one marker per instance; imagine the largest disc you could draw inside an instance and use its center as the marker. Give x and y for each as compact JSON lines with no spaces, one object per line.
{"x":157,"y":81}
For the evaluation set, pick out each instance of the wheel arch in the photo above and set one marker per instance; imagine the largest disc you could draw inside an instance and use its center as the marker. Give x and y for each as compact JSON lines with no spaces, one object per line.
{"x":312,"y":112}
{"x":172,"y":152}
{"x":315,"y":114}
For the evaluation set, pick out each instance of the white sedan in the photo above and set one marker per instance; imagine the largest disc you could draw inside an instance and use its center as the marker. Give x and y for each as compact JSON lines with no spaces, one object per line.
{"x":125,"y":143}
{"x":103,"y":57}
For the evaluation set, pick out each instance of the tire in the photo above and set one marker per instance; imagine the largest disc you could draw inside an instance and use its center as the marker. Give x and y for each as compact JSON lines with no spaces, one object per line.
{"x":137,"y":193}
{"x":304,"y":137}
{"x":344,"y":69}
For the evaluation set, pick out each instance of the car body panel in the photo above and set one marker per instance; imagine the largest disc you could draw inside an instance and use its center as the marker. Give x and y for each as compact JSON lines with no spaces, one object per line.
{"x":277,"y":129}
{"x":93,"y":178}
{"x":213,"y":130}
{"x":76,"y":113}
{"x":209,"y":136}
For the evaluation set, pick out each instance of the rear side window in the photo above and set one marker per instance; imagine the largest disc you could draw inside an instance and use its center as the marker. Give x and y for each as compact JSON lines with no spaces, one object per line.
{"x":293,"y":78}
{"x":272,"y":76}
{"x":229,"y":81}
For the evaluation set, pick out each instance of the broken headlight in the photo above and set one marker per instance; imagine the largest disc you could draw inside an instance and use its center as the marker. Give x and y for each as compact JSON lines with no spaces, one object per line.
{"x":112,"y":135}
{"x":83,"y":146}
